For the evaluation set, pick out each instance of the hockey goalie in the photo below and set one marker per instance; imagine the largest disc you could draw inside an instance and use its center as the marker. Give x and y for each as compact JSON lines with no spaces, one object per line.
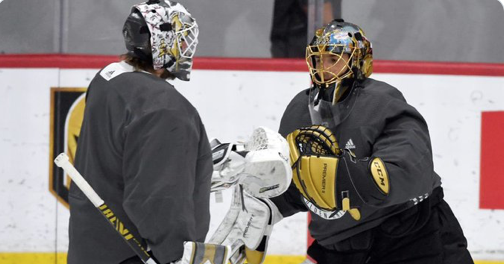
{"x":143,"y":150}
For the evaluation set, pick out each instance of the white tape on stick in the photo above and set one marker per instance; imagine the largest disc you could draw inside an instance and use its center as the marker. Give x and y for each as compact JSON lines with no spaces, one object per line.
{"x":63,"y":162}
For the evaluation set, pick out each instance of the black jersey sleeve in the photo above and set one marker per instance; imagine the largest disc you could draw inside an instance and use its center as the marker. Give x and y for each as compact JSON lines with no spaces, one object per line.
{"x":405,"y":147}
{"x":402,"y":142}
{"x":289,"y":202}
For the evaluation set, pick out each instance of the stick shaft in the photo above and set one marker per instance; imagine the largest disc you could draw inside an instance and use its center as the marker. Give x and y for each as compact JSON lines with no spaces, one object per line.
{"x":63,"y":162}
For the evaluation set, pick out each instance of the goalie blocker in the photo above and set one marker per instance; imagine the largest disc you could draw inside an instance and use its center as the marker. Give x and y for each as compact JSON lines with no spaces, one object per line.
{"x":260,"y":165}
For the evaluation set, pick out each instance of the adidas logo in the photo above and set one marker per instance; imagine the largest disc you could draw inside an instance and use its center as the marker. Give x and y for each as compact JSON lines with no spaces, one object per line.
{"x":350,"y":144}
{"x":109,"y":74}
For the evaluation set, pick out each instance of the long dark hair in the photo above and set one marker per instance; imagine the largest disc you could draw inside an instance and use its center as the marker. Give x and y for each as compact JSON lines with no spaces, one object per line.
{"x":143,"y":65}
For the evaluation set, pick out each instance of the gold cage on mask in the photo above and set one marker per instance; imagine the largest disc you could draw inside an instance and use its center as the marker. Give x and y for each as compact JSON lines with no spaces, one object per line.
{"x":325,"y":54}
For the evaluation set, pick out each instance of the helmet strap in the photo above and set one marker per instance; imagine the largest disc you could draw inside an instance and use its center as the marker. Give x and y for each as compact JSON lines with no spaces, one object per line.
{"x":357,"y":73}
{"x":141,"y":55}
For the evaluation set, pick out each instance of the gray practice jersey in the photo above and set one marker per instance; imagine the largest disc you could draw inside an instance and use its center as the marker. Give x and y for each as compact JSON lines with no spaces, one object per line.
{"x":144,"y":149}
{"x":381,"y":124}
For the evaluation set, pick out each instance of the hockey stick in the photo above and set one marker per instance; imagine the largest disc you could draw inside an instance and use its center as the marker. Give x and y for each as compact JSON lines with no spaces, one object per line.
{"x":63,"y":162}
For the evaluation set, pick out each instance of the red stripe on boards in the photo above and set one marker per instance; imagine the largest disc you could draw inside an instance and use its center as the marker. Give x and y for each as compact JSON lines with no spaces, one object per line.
{"x":78,"y":61}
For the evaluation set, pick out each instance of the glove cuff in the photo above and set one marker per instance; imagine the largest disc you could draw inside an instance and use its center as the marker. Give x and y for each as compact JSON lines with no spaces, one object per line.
{"x":368,"y":176}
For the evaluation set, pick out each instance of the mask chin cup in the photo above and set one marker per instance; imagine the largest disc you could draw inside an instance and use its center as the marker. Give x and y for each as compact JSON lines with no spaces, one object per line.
{"x":329,"y":114}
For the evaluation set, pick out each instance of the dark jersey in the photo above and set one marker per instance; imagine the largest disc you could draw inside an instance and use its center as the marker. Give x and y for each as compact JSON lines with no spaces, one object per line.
{"x":144,"y":149}
{"x":381,"y":124}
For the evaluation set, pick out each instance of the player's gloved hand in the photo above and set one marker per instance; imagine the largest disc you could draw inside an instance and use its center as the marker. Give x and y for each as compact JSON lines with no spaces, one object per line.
{"x":260,"y":165}
{"x":197,"y":253}
{"x":330,"y":178}
{"x":368,"y":176}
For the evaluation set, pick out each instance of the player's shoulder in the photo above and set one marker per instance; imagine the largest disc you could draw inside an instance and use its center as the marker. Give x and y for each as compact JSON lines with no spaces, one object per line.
{"x":124,"y":79}
{"x":301,"y":97}
{"x":136,"y":88}
{"x":298,"y":104}
{"x":121,"y":72}
{"x":114,"y":70}
{"x":296,"y":113}
{"x":381,"y":89}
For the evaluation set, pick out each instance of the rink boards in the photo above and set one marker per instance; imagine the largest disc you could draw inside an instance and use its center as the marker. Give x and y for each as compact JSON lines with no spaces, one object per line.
{"x":461,"y":107}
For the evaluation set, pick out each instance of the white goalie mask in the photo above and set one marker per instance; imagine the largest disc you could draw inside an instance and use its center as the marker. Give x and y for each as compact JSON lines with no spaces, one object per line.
{"x":173,"y":36}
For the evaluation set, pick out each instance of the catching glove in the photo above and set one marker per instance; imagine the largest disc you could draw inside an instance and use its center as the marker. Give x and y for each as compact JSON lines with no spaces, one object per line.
{"x":332,"y":179}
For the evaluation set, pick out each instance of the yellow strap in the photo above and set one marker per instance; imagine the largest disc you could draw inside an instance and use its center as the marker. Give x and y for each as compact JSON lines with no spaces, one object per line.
{"x":254,"y":256}
{"x":355,"y":213}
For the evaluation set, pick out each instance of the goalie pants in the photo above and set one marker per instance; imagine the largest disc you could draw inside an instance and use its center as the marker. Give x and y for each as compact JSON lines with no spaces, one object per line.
{"x":426,"y":233}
